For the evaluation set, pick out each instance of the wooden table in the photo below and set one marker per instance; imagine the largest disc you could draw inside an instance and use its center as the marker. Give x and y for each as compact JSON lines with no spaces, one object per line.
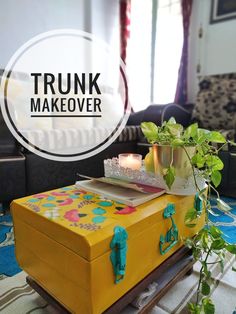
{"x":166,"y":275}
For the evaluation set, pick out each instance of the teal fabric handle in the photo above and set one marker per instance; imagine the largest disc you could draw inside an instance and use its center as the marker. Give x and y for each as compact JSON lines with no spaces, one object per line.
{"x":119,"y":248}
{"x":172,"y":235}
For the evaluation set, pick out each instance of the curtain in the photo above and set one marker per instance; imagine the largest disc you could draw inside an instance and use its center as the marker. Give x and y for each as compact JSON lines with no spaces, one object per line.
{"x":125,"y":6}
{"x":181,"y":89}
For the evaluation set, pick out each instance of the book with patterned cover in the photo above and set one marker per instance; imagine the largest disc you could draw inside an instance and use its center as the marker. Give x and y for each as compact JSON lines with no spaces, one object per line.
{"x":132,"y":195}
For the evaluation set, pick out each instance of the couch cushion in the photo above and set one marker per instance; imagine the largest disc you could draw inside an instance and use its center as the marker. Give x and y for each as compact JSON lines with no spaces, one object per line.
{"x":216,"y":102}
{"x":56,"y":138}
{"x":130,"y":133}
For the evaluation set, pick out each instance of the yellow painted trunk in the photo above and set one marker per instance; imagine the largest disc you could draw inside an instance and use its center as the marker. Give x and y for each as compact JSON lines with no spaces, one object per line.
{"x":63,"y":242}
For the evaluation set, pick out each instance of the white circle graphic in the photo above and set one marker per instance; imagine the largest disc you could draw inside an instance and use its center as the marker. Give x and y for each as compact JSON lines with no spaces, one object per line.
{"x":64,"y":95}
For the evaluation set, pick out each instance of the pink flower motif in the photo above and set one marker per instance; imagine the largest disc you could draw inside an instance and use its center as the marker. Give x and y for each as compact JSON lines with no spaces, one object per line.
{"x":126,"y":211}
{"x":59,"y":193}
{"x":72,"y":215}
{"x":40,"y":195}
{"x":68,"y":201}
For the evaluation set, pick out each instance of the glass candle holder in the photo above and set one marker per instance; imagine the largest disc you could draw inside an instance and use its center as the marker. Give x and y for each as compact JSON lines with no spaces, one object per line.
{"x":132,"y":161}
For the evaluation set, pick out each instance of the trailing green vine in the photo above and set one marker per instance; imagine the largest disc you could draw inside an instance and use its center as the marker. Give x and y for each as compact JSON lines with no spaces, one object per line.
{"x":205,"y":162}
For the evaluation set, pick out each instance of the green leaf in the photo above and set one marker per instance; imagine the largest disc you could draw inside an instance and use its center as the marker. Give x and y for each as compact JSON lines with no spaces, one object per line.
{"x":194,"y":308}
{"x":198,"y":160}
{"x":175,"y":129}
{"x":216,"y":137}
{"x":169,"y":177}
{"x":197,"y":254}
{"x":204,"y":265}
{"x":215,"y":232}
{"x":171,"y":121}
{"x":190,"y":215}
{"x":218,"y":244}
{"x":202,"y":135}
{"x":216,"y":177}
{"x":221,"y":265}
{"x":205,"y":239}
{"x":150,"y":131}
{"x":208,"y":306}
{"x":189,"y":243}
{"x":205,"y":148}
{"x":191,"y":131}
{"x":207,"y":274}
{"x":177,"y":142}
{"x":231,"y":248}
{"x":205,"y":288}
{"x":214,"y":162}
{"x":222,"y":205}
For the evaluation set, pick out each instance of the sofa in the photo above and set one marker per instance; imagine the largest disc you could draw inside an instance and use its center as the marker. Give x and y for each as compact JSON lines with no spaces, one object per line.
{"x":23,"y":173}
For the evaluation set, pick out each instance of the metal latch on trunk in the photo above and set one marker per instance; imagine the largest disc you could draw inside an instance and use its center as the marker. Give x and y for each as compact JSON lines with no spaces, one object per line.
{"x":171,"y":237}
{"x":118,"y":246}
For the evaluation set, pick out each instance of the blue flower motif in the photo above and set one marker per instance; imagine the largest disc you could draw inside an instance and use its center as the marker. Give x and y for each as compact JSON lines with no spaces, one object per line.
{"x":98,"y":219}
{"x":99,"y":211}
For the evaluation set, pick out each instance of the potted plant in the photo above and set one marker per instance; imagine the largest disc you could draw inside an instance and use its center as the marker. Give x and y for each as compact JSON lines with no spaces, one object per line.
{"x":177,"y":152}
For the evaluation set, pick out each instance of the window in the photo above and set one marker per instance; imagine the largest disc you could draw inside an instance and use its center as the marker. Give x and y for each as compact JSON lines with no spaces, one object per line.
{"x":139,"y":54}
{"x":154,"y":51}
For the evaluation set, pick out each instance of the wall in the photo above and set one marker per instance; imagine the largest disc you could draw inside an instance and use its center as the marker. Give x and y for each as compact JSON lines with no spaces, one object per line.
{"x":21,"y":20}
{"x":216,"y":51}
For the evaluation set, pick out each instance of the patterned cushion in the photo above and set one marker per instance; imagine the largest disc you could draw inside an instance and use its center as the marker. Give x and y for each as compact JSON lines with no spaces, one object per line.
{"x":70,"y":138}
{"x":130,"y":133}
{"x":216,"y":102}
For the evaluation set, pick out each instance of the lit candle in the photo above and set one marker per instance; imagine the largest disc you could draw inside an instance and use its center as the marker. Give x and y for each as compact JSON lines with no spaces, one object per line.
{"x":132,"y":161}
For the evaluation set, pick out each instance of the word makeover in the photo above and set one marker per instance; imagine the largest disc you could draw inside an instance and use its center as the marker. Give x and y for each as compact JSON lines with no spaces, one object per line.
{"x":57,"y":89}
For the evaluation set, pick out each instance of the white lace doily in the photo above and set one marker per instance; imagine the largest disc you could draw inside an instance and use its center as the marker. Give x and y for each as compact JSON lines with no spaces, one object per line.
{"x":180,"y":186}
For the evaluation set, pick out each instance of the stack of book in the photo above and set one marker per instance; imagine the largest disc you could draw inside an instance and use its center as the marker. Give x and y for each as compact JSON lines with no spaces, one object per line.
{"x":129,"y":193}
